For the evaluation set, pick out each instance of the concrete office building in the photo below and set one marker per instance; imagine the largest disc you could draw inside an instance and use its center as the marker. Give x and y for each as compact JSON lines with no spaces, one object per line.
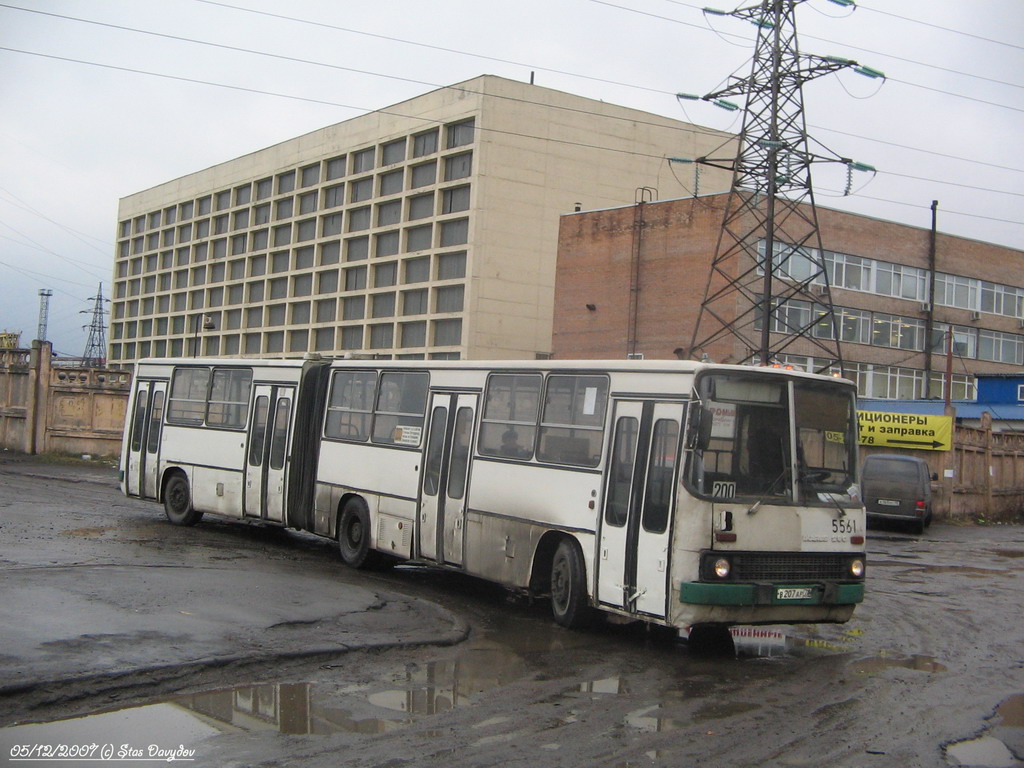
{"x":424,"y":230}
{"x":894,"y":306}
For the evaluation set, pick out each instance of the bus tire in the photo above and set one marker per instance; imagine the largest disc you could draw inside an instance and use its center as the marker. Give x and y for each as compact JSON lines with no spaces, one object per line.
{"x":569,"y":587}
{"x":178,"y":501}
{"x":354,"y":535}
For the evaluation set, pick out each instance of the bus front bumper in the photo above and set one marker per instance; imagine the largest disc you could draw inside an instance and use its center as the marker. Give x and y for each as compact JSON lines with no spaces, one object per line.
{"x":828,"y":593}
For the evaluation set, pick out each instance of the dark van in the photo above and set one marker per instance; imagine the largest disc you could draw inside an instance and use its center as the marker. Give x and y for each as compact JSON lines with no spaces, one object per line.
{"x":897,"y":488}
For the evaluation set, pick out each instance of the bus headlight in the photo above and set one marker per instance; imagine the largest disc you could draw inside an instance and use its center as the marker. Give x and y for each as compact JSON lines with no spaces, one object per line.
{"x":857,"y":568}
{"x":721,"y":568}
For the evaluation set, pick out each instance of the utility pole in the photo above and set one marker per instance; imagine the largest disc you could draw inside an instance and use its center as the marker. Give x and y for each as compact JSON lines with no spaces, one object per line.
{"x":95,"y":355}
{"x":768,"y":287}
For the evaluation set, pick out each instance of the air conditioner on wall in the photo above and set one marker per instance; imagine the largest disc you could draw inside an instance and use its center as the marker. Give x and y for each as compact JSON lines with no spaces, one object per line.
{"x":925,"y":306}
{"x":975,"y":315}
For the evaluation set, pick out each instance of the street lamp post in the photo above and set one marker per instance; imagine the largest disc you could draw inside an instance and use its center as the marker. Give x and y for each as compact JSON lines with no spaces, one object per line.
{"x":207,"y":326}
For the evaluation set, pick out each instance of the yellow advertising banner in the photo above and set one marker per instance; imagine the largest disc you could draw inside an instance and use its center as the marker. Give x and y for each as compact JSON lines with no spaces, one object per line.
{"x":906,"y":430}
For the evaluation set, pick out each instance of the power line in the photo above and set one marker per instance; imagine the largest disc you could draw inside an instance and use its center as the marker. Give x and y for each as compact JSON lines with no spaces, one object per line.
{"x":429,"y":121}
{"x":901,"y":82}
{"x":696,"y":128}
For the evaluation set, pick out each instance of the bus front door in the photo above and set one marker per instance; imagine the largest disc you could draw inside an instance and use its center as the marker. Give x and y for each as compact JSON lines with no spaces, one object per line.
{"x":635,"y":541}
{"x":266,"y":463}
{"x":144,"y":448}
{"x":445,"y":476}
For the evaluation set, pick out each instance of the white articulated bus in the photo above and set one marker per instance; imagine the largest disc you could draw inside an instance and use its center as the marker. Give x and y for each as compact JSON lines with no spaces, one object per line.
{"x":685,"y":494}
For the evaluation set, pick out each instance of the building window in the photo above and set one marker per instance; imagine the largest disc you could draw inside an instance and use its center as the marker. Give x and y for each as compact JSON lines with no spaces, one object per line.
{"x":382,"y":336}
{"x":421,"y":206}
{"x":383,"y":305}
{"x":419,"y":238}
{"x":450,"y":298}
{"x":424,"y":143}
{"x":311,"y":175}
{"x":285,"y":182}
{"x":362,"y":161}
{"x":387,"y":244}
{"x":414,"y":302}
{"x":447,"y":333}
{"x":460,"y":134}
{"x":353,"y":308}
{"x":451,"y":266}
{"x":455,"y":199}
{"x":417,"y":270}
{"x":458,"y":166}
{"x":361,"y":190}
{"x":389,"y":213}
{"x":392,"y":183}
{"x":352,"y":337}
{"x":424,"y":175}
{"x":384,"y":275}
{"x":334,"y":196}
{"x":357,"y":248}
{"x":454,"y":232}
{"x":264,"y":189}
{"x":355,"y":279}
{"x":392,"y":152}
{"x":335,"y":168}
{"x":359,"y":219}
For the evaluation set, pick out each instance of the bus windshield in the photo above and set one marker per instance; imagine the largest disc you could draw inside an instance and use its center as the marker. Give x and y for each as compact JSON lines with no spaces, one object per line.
{"x":780,"y":442}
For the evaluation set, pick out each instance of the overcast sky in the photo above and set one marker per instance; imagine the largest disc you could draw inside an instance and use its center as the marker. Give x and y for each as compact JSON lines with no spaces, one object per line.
{"x":176,"y":93}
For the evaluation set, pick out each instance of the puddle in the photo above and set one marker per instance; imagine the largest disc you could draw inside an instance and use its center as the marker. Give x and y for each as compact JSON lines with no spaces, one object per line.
{"x":1008,"y":552}
{"x":985,"y":752}
{"x":302,"y":708}
{"x":1011,"y":711}
{"x":882,"y":662}
{"x":764,"y":642}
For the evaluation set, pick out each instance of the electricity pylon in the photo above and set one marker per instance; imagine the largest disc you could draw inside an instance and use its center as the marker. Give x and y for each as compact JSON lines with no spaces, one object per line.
{"x":95,"y":355}
{"x":768,"y":287}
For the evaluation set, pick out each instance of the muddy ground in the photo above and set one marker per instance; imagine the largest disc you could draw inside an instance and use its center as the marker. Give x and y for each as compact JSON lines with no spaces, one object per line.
{"x":456,"y":672}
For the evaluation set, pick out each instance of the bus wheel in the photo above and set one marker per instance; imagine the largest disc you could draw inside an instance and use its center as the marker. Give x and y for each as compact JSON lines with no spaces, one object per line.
{"x":354,"y":535}
{"x":178,"y":502}
{"x":569,"y":587}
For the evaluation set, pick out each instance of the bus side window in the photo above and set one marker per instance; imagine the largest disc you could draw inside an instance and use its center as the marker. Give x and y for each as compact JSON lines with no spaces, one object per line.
{"x":279,"y":437}
{"x":435,"y":451}
{"x":187,"y":402}
{"x":662,"y":464}
{"x":258,"y":433}
{"x":140,"y":419}
{"x":156,"y":417}
{"x":620,"y":471}
{"x":401,"y":403}
{"x":459,"y":462}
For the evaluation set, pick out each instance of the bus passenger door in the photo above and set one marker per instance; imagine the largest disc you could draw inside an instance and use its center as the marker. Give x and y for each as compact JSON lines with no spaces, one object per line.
{"x":634,"y":548}
{"x":266,"y":464}
{"x":144,"y":447}
{"x":445,"y":477}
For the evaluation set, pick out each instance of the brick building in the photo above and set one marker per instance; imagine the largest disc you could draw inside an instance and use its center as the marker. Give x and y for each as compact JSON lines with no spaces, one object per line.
{"x":631,"y":280}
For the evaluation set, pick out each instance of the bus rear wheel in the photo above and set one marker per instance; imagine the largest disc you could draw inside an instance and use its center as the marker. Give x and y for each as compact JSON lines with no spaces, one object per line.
{"x":569,"y":587}
{"x":354,"y":535}
{"x":178,"y":502}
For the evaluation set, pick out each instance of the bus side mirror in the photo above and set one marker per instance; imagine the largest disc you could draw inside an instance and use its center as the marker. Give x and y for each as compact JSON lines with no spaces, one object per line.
{"x":698,"y":429}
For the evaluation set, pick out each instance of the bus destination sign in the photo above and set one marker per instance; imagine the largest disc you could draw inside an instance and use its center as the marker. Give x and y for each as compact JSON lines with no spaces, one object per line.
{"x":924,"y":432}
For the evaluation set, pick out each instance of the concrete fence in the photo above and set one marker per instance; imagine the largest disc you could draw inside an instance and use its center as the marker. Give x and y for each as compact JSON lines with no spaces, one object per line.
{"x":47,"y":409}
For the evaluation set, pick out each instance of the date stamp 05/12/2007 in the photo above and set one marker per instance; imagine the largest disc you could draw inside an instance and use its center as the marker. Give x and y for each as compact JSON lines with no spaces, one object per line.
{"x":94,"y":751}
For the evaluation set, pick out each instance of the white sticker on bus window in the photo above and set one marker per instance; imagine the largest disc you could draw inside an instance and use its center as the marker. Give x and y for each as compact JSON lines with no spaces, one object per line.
{"x":590,"y":401}
{"x":407,"y":435}
{"x":723,"y":423}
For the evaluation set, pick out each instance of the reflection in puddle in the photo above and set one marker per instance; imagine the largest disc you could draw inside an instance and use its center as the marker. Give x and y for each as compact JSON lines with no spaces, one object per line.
{"x":986,"y":752}
{"x":295,"y":708}
{"x":765,"y":642}
{"x":883,"y":662}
